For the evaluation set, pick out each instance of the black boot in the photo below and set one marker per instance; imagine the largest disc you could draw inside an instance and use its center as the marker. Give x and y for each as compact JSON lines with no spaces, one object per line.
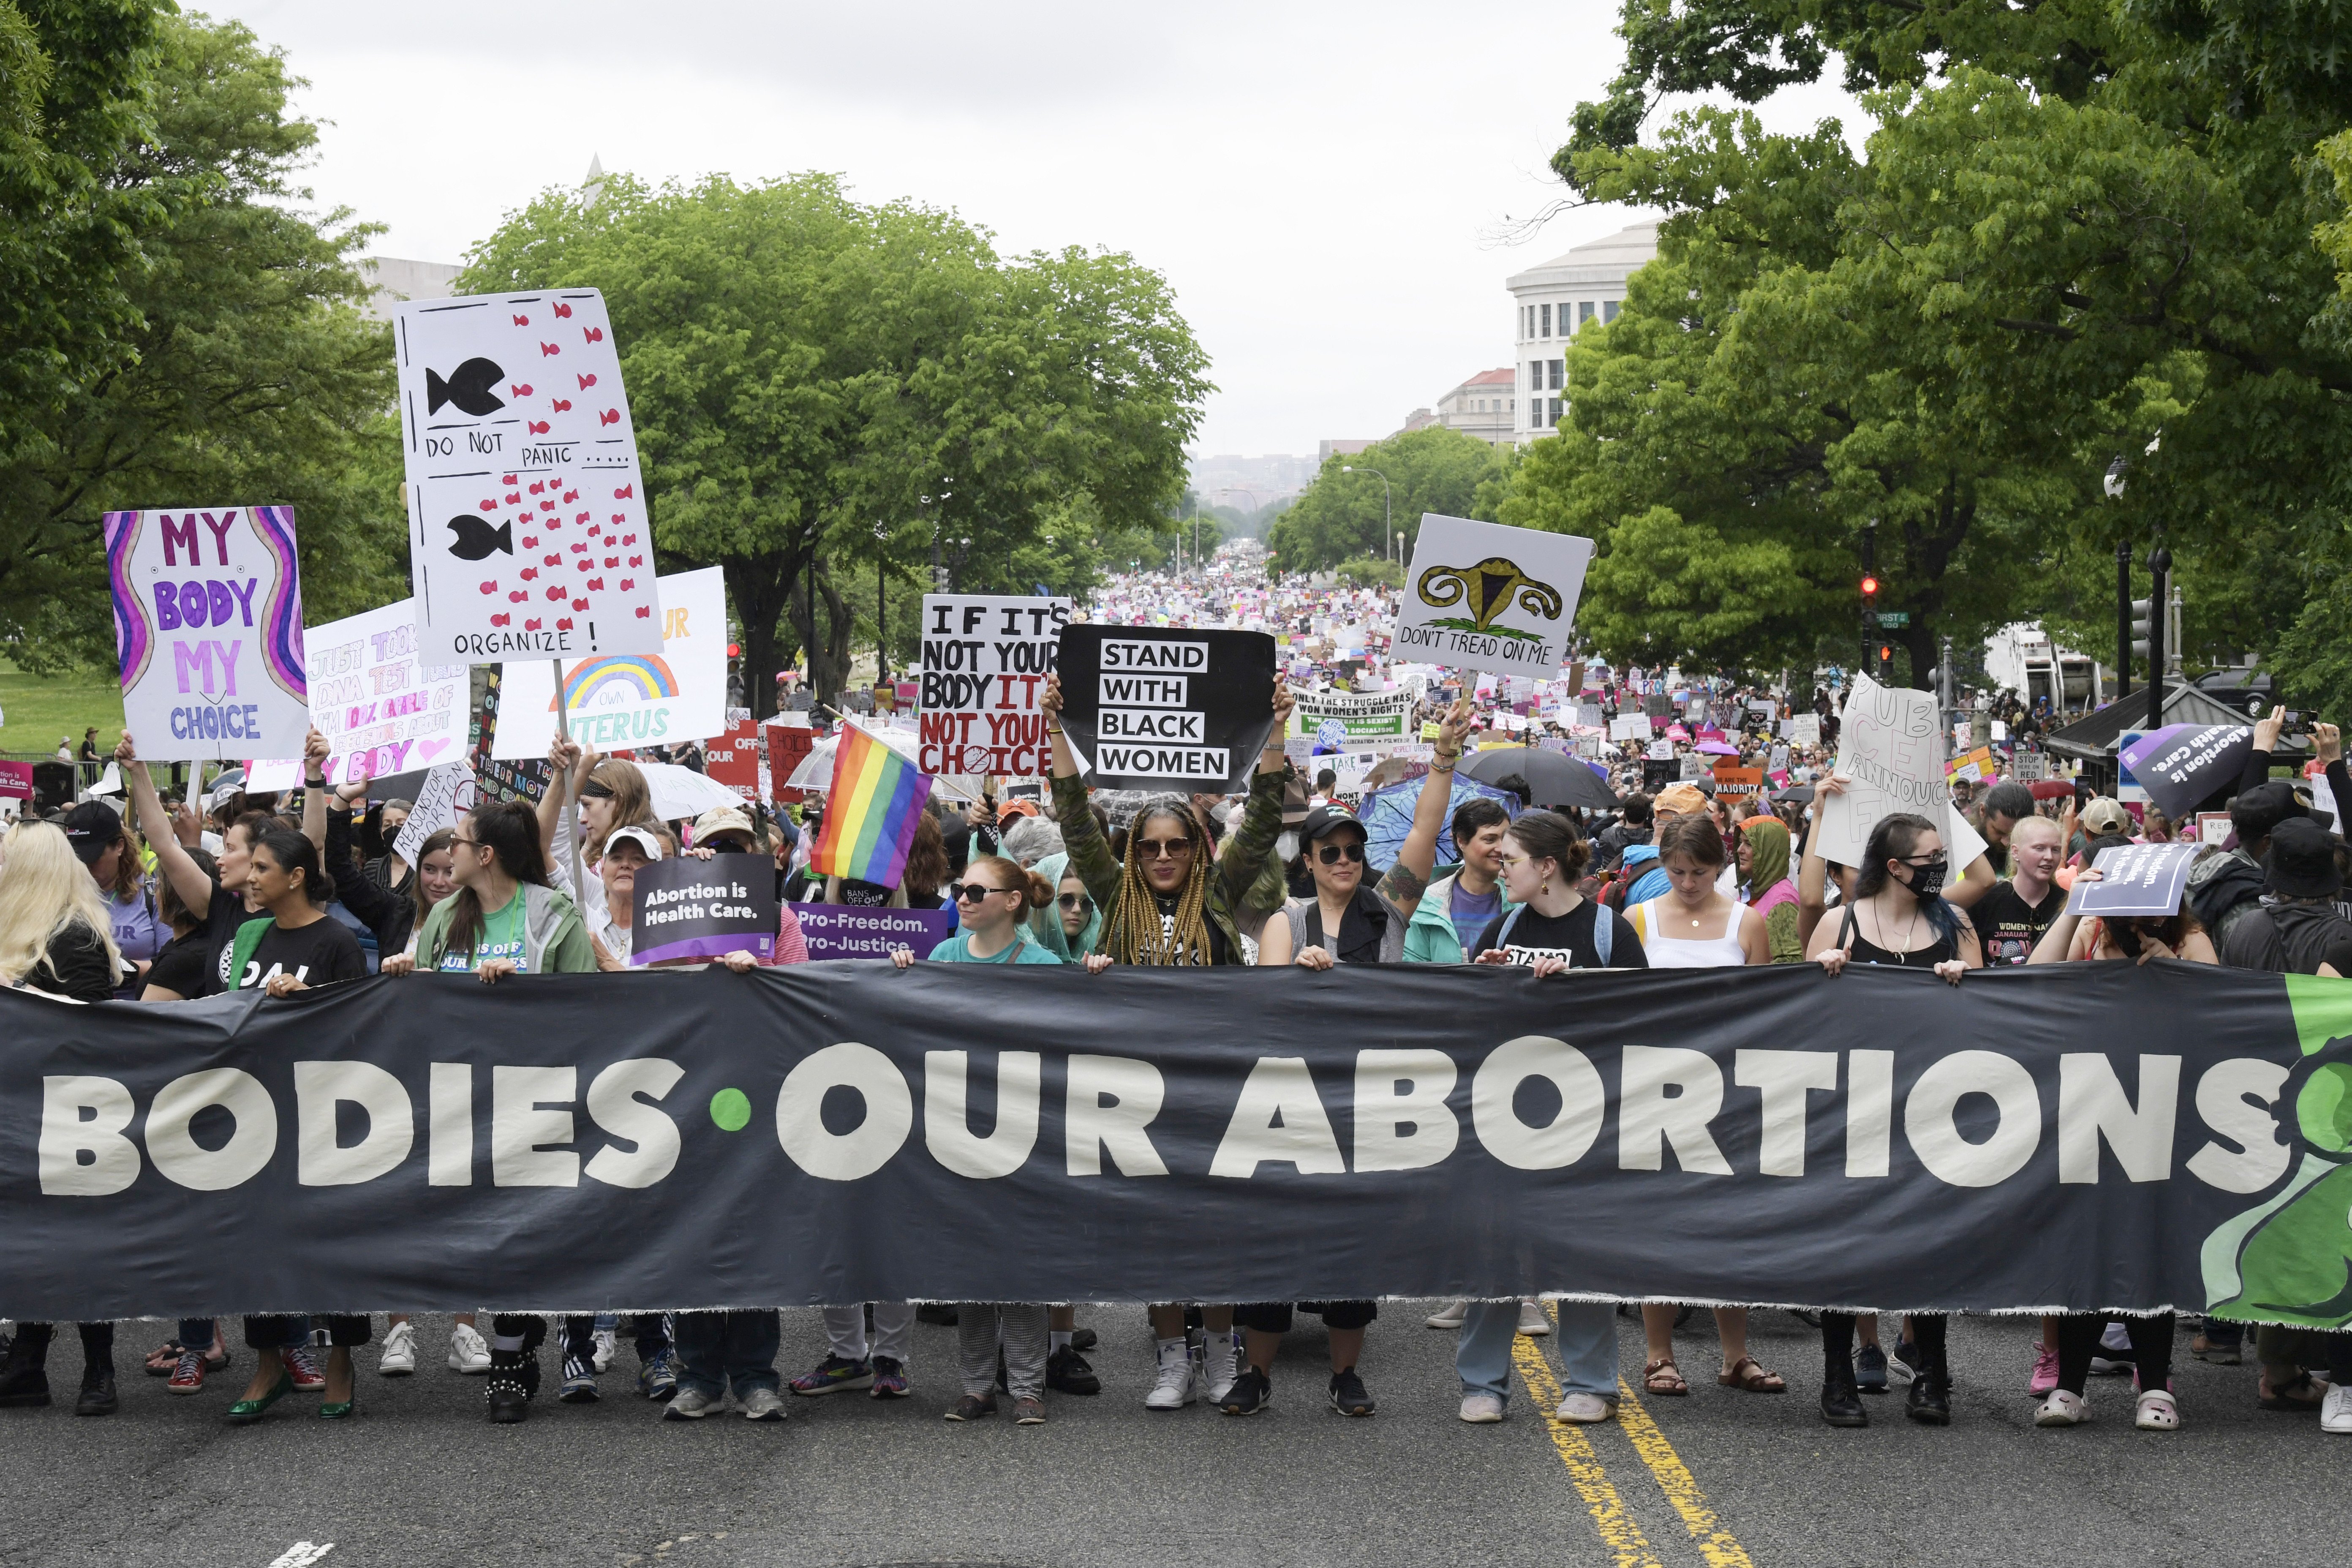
{"x":1841,"y":1399}
{"x":97,"y":1390}
{"x":23,"y":1380}
{"x":1930,"y":1402}
{"x":509,"y":1387}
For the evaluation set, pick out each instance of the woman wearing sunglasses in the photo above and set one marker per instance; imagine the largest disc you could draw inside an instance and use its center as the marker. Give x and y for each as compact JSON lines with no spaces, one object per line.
{"x":1068,"y":927}
{"x":1896,"y":915}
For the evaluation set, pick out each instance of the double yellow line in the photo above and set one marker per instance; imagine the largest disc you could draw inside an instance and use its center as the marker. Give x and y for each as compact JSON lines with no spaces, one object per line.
{"x":1618,"y":1528}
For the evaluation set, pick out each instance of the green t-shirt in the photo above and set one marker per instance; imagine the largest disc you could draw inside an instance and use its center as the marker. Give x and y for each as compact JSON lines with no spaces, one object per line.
{"x":501,"y":938}
{"x":957,"y":949}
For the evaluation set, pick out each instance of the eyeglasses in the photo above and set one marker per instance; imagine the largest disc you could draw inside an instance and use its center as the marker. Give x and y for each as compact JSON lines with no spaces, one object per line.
{"x":458,"y":843}
{"x":1928,"y":862}
{"x":1077,"y":901}
{"x":973,"y":892}
{"x":1159,"y":849}
{"x":1329,"y":853}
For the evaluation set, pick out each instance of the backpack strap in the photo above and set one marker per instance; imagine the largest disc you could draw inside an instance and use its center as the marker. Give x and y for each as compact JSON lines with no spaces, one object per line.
{"x":1604,"y":933}
{"x":1502,"y":937}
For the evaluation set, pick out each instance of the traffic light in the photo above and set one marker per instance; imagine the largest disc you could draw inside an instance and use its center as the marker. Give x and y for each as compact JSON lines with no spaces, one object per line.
{"x":1869,"y":586}
{"x":2139,"y":627}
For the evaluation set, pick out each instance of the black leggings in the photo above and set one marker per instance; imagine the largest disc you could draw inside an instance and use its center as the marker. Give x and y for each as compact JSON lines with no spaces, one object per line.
{"x":1926,"y":1333}
{"x":2078,"y":1341}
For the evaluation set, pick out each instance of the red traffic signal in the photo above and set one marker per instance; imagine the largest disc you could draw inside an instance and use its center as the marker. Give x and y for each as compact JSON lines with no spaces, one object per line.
{"x":734,"y":651}
{"x":1869,"y":586}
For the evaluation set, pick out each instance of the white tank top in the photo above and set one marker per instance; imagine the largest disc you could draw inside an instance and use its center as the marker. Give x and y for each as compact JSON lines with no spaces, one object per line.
{"x":1675,"y":952}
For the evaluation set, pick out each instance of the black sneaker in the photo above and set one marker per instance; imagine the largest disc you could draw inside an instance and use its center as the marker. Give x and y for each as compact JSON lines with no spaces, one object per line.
{"x":1252,"y":1392}
{"x":1930,"y":1403}
{"x":972,"y":1407}
{"x":96,"y":1392}
{"x":23,"y":1379}
{"x":933,"y":1312}
{"x":579,"y":1379}
{"x":1870,"y":1370}
{"x":1082,"y":1338}
{"x":1349,"y":1395}
{"x":1067,"y":1371}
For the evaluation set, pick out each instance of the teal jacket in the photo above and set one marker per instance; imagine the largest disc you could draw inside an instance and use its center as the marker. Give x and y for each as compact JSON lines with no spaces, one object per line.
{"x":1430,"y":937}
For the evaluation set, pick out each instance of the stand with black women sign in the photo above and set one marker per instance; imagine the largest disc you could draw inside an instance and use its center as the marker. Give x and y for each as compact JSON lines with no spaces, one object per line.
{"x":1156,"y":708}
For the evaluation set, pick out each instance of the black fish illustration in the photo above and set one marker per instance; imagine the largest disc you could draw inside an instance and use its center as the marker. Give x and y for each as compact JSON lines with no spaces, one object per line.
{"x":476,"y":538}
{"x":468,"y":387}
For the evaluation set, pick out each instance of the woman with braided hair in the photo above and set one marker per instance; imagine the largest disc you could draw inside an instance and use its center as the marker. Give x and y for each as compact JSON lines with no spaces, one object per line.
{"x":1171,"y":901}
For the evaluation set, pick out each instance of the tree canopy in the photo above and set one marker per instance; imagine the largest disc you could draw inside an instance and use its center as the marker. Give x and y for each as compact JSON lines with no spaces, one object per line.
{"x":1340,"y":516}
{"x":818,"y":383}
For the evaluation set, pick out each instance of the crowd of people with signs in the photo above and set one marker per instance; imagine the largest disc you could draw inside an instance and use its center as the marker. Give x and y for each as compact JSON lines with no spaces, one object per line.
{"x":1229,"y":769}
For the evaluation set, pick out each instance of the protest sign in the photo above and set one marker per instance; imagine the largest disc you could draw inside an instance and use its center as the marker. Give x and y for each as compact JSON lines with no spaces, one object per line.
{"x":849,"y":931}
{"x":733,"y":758}
{"x":527,"y":525}
{"x":382,"y":709}
{"x":1892,"y":750}
{"x":1373,"y":722}
{"x":2151,"y":1163}
{"x":2029,"y":767}
{"x":2214,"y":828}
{"x":679,"y":692}
{"x":1734,"y":783}
{"x":525,"y":781}
{"x":2181,"y":765}
{"x":1484,"y":596}
{"x":15,"y":781}
{"x":1661,"y":751}
{"x":1805,"y":729}
{"x":1974,"y":766}
{"x":2134,"y":880}
{"x":789,"y":746}
{"x":984,"y":663}
{"x":208,"y":629}
{"x":1693,"y":765}
{"x":689,"y":908}
{"x":1630,"y":727}
{"x":448,"y":794}
{"x":1164,"y":708}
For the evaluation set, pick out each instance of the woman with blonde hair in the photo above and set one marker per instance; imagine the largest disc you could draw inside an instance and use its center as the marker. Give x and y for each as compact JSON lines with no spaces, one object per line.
{"x":54,"y":938}
{"x":611,"y":794}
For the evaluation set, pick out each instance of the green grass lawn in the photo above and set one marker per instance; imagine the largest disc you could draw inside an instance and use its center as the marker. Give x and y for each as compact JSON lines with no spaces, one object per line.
{"x":35,"y":710}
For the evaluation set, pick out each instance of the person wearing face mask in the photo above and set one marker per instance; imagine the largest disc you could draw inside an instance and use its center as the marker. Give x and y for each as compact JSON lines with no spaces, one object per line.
{"x":1171,"y":901}
{"x":1897,"y":915}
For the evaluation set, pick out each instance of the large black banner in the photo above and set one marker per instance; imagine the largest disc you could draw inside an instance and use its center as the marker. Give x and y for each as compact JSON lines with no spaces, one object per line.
{"x":2089,"y":1135}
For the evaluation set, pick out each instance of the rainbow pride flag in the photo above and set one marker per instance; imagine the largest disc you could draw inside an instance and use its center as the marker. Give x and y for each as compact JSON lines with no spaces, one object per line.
{"x":870,"y":819}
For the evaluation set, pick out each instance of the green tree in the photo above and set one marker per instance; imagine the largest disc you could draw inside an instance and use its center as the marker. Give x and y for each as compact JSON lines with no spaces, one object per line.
{"x":2072,"y":230}
{"x":823,"y":388}
{"x":244,"y":372}
{"x":1341,"y":514}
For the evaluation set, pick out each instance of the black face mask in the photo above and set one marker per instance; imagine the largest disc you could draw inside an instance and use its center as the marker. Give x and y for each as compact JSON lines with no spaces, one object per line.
{"x":1927,"y":881}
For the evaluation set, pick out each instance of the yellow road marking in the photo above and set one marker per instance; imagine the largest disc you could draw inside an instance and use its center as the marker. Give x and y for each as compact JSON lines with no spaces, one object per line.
{"x":1714,"y":1543}
{"x":1610,"y":1516}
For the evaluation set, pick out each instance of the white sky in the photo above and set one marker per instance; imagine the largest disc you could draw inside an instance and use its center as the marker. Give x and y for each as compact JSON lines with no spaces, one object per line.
{"x":1315,"y":180}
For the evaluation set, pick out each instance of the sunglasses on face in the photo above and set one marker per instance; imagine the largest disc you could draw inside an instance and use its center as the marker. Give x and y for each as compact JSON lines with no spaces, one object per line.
{"x":1077,"y":901}
{"x":1157,"y":848}
{"x":1330,"y":854}
{"x":973,"y":892}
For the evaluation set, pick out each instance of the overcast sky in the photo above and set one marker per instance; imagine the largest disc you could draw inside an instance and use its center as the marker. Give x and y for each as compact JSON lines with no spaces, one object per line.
{"x":1317,"y":182}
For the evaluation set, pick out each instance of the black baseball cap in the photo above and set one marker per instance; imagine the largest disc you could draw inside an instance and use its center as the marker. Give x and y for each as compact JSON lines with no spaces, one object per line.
{"x":2301,"y":860}
{"x":90,"y":828}
{"x":1324,"y":819}
{"x":2258,"y":812}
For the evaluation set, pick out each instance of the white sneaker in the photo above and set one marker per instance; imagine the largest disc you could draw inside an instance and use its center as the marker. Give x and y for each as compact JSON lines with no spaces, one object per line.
{"x":763,"y":1404}
{"x":1449,"y":1316}
{"x":1217,"y":1367}
{"x":691,"y":1405}
{"x":399,"y":1358}
{"x":2062,"y":1409}
{"x":468,"y":1352}
{"x":1176,"y":1386}
{"x":607,"y":1346}
{"x":2114,"y":1356}
{"x":1532,"y":1320}
{"x":2336,"y":1411}
{"x":1583,"y":1409}
{"x":1482,"y":1409}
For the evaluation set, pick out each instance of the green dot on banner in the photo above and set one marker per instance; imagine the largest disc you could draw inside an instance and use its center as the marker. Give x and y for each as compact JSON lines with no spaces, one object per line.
{"x":731,"y":1109}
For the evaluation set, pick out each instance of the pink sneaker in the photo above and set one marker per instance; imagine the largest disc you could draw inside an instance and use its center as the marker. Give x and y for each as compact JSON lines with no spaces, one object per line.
{"x":310,"y":1377}
{"x":2045,"y":1371}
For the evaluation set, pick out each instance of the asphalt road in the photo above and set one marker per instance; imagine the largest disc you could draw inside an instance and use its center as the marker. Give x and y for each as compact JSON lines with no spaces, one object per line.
{"x":1719,"y":1479}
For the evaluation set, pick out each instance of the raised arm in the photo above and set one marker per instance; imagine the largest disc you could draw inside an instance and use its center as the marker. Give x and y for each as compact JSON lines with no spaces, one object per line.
{"x":188,"y":879}
{"x":1090,"y":856}
{"x":1246,"y":851}
{"x":562,"y":754}
{"x":1408,"y":876}
{"x":315,"y":751}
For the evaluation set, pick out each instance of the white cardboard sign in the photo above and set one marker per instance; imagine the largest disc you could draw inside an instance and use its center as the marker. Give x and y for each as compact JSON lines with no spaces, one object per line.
{"x":984,"y":663}
{"x":1484,"y":596}
{"x":1891,"y":749}
{"x":527,"y":524}
{"x":382,"y":709}
{"x":447,"y":794}
{"x":620,"y":700}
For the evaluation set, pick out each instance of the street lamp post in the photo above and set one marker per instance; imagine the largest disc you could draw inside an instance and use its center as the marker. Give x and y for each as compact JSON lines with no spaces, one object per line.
{"x":881,"y":603}
{"x":2113,"y":484}
{"x":1387,"y":516}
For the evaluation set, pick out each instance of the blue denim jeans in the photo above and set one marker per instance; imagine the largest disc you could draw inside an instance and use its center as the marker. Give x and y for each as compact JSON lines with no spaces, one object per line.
{"x":1588,"y":1348}
{"x":717,"y":1350}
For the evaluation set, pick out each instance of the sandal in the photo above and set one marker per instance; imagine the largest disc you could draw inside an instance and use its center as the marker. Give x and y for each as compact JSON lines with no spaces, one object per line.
{"x":2156,"y":1412}
{"x":1663,"y":1377}
{"x":1749,"y":1373}
{"x":2304,"y":1393}
{"x":163,"y":1358}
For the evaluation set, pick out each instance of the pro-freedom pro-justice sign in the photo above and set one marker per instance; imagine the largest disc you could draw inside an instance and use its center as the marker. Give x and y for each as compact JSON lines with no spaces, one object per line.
{"x":985,"y":661}
{"x":208,"y":628}
{"x":527,"y":524}
{"x":1484,"y":596}
{"x":1160,"y":707}
{"x":845,"y":1132}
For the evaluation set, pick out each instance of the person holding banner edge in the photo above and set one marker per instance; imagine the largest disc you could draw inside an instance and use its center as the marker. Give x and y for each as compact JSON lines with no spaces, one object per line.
{"x":1172,"y":872}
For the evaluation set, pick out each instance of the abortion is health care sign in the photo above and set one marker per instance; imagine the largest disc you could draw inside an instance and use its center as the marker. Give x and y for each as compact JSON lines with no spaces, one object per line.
{"x":208,"y":626}
{"x":1484,"y":596}
{"x":615,"y":701}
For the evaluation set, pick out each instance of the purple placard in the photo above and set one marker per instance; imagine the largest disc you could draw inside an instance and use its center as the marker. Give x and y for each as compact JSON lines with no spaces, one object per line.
{"x":2135,"y":879}
{"x":851,"y":930}
{"x":2181,"y":765}
{"x":691,"y":908}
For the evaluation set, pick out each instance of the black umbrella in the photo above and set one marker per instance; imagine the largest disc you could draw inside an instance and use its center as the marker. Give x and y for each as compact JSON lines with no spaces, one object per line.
{"x":1551,"y":778}
{"x":1802,"y":794}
